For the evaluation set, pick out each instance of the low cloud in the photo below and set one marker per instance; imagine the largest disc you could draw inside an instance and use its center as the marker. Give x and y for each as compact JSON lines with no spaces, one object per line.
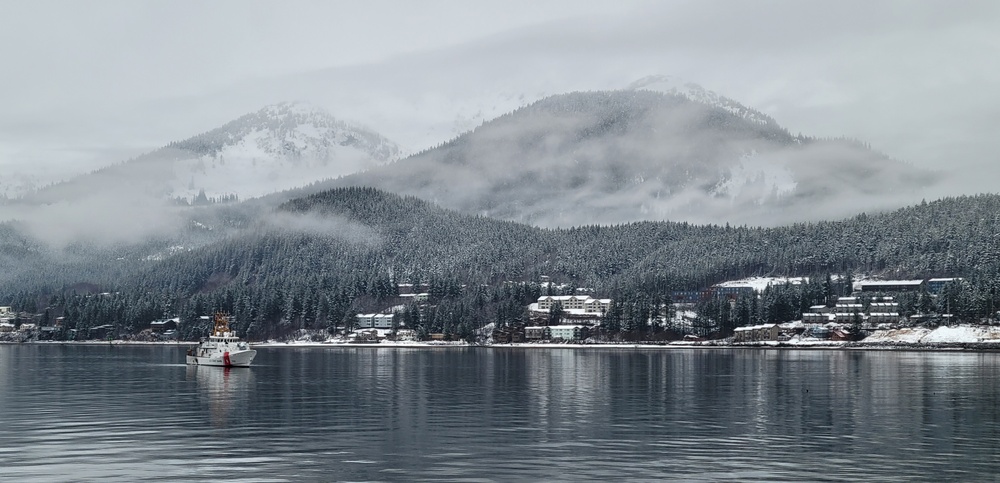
{"x":98,"y":218}
{"x":325,"y":225}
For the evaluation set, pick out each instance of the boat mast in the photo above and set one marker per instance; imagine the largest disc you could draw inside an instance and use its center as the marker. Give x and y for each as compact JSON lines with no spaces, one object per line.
{"x":221,"y":328}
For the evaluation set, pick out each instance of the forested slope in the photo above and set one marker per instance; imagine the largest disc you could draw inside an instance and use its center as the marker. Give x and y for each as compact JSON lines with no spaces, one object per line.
{"x":316,"y":261}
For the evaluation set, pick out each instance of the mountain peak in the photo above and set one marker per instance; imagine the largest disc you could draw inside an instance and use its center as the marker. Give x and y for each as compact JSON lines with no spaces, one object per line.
{"x":279,"y":147}
{"x":294,"y":108}
{"x":668,"y":84}
{"x":606,"y":157}
{"x":290,"y":129}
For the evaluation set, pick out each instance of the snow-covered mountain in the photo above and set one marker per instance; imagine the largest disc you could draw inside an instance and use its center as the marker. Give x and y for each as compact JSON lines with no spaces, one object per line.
{"x":610,"y":157}
{"x":277,"y":148}
{"x":754,"y":177}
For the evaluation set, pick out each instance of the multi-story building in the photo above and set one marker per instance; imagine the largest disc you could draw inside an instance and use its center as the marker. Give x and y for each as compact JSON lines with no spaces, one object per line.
{"x":568,"y":332}
{"x":936,"y":285}
{"x":848,"y":308}
{"x":536,"y":333}
{"x":374,"y":321}
{"x":596,"y":306}
{"x":890,"y":285}
{"x":568,"y":302}
{"x":757,"y":333}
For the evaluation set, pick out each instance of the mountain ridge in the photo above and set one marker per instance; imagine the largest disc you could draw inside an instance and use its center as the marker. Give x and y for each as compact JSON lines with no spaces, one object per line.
{"x":281,"y":146}
{"x":614,"y":156}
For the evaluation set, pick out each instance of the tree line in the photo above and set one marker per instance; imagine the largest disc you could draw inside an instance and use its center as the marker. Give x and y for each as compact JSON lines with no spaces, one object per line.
{"x":351,"y":247}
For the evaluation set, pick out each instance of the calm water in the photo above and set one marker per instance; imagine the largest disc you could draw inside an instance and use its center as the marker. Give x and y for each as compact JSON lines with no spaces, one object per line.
{"x":137,"y":413}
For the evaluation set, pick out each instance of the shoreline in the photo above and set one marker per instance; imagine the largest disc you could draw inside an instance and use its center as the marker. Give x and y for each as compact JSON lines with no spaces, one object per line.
{"x":984,"y":346}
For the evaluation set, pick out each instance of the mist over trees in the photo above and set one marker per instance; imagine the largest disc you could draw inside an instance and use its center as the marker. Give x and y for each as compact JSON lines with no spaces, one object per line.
{"x":317,"y":261}
{"x":165,"y":235}
{"x":611,"y":156}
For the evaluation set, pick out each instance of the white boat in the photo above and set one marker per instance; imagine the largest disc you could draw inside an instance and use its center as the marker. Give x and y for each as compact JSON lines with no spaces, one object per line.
{"x":222,"y":348}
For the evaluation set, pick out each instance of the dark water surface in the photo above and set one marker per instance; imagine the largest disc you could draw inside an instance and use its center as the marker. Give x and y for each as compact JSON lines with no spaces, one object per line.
{"x":131,"y":413}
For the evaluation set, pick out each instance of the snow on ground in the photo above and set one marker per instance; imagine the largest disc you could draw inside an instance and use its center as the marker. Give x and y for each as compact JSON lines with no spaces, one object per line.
{"x":255,"y":165}
{"x":668,"y":84}
{"x":760,"y":283}
{"x":955,"y":334}
{"x":345,"y":343}
{"x":961,"y":334}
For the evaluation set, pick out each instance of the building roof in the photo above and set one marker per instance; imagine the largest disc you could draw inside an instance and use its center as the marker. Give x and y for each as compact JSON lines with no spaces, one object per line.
{"x":892,"y":282}
{"x":565,"y":297}
{"x":755,"y":327}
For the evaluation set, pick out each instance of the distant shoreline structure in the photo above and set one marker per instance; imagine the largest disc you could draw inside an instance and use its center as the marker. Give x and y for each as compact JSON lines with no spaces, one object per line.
{"x":985,"y":346}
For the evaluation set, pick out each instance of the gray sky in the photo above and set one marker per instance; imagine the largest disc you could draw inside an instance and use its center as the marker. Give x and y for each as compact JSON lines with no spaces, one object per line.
{"x":92,"y":83}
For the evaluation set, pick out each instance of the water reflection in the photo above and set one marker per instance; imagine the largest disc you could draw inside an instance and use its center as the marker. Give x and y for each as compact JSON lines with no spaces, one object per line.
{"x":227,"y":390}
{"x":499,"y":414}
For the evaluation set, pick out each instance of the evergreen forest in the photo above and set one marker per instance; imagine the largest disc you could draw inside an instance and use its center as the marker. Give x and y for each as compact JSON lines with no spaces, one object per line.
{"x":317,"y":261}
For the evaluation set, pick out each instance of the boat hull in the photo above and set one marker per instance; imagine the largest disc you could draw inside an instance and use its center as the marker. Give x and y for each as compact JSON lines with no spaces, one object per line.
{"x":224,"y":359}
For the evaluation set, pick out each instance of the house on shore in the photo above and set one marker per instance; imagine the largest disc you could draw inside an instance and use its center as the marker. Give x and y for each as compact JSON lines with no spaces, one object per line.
{"x":756,"y":333}
{"x":536,"y":333}
{"x":161,"y":326}
{"x":511,"y":334}
{"x":556,"y":332}
{"x":568,"y":332}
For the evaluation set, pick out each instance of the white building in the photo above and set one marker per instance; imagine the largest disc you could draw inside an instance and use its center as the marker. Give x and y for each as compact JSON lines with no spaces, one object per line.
{"x":406,"y":335}
{"x":578,"y":304}
{"x":568,"y":302}
{"x":567,"y":332}
{"x":416,"y":297}
{"x":383,"y":321}
{"x":883,"y":307}
{"x":882,"y":317}
{"x":849,"y":308}
{"x":366,"y":321}
{"x":597,"y":306}
{"x":816,"y":317}
{"x":374,"y":321}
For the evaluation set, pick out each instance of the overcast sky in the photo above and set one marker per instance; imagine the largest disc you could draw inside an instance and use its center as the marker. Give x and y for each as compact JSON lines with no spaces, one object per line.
{"x":91,"y":83}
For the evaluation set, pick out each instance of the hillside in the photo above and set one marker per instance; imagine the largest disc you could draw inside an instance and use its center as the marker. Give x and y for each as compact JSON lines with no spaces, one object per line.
{"x":275,"y":149}
{"x":620,"y":156}
{"x":317,"y":259}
